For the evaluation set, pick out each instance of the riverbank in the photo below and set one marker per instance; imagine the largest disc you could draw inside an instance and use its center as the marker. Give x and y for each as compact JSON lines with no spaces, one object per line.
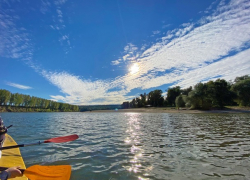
{"x":231,"y":109}
{"x":174,"y":110}
{"x":21,"y":109}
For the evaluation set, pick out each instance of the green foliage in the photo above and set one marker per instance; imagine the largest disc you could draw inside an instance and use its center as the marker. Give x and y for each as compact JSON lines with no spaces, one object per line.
{"x":18,"y":99}
{"x":144,"y":99}
{"x":172,"y":93}
{"x":179,"y":101}
{"x":242,"y":89}
{"x":219,"y":93}
{"x":186,"y":91}
{"x":201,"y":94}
{"x":241,"y":78}
{"x":155,"y":98}
{"x":194,"y":101}
{"x":212,"y":94}
{"x":4,"y":96}
{"x":33,"y":103}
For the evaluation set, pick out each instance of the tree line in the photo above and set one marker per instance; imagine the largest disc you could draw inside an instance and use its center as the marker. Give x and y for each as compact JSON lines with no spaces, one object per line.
{"x":26,"y":101}
{"x":212,"y":94}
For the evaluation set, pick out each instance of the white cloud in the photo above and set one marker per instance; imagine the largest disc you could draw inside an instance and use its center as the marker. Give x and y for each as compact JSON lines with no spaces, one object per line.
{"x":14,"y":41}
{"x":219,"y":46}
{"x":116,"y":62}
{"x":156,"y":32}
{"x":166,"y":26}
{"x":19,"y":86}
{"x":228,"y":68}
{"x":130,"y":48}
{"x":45,"y":5}
{"x":60,"y":2}
{"x":60,"y":15}
{"x":82,"y":91}
{"x":125,"y":57}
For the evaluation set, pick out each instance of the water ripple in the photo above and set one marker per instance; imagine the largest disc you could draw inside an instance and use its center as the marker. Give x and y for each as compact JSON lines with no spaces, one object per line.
{"x":138,"y":145}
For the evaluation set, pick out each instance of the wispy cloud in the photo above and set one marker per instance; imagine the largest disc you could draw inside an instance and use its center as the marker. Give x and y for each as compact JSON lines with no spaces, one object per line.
{"x":19,"y":86}
{"x":60,"y":2}
{"x":64,"y":39}
{"x":216,"y":45}
{"x":45,"y":5}
{"x":156,"y":32}
{"x":116,"y":62}
{"x":166,"y":26}
{"x":79,"y":91}
{"x":14,"y":41}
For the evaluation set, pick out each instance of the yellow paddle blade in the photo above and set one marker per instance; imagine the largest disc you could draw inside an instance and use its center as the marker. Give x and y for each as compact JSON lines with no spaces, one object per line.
{"x":37,"y":172}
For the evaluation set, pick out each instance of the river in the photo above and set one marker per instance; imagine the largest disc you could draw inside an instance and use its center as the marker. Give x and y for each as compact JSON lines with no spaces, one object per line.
{"x":129,"y":146}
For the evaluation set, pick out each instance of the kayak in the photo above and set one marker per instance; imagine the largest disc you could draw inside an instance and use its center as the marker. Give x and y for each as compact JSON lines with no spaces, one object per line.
{"x":12,"y":157}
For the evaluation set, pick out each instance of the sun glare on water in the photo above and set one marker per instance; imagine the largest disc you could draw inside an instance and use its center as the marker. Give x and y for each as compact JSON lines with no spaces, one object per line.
{"x":134,"y":68}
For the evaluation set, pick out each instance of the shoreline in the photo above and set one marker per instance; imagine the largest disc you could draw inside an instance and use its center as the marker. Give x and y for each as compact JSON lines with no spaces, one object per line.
{"x":169,"y":110}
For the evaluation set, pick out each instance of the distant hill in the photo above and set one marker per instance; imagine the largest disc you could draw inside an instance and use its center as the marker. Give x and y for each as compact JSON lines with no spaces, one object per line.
{"x":99,"y":107}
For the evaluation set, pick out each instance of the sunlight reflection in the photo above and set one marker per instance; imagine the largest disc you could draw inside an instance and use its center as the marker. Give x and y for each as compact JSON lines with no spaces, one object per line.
{"x":134,"y":134}
{"x":141,"y":178}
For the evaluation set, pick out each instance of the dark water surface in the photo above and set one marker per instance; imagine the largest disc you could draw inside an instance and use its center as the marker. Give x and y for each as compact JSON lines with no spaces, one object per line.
{"x":119,"y":146}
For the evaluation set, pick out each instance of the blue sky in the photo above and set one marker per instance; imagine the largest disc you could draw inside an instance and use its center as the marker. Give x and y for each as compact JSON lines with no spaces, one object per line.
{"x":106,"y":52}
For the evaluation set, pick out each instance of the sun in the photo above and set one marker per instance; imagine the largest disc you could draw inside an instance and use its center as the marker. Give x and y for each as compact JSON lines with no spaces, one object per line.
{"x":134,"y":68}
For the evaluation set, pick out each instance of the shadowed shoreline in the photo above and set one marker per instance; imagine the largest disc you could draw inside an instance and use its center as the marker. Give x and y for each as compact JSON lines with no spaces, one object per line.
{"x":170,"y":110}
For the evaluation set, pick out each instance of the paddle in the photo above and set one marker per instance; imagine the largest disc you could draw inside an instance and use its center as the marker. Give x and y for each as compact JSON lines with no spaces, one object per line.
{"x":9,"y":126}
{"x":52,"y":140}
{"x":37,"y":172}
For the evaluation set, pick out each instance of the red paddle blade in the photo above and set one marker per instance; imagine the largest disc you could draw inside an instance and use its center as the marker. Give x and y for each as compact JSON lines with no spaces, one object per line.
{"x":62,"y":139}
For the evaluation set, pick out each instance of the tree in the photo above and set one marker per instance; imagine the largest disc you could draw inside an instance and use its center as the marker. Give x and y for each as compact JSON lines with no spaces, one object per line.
{"x":179,"y":101}
{"x":133,"y":104}
{"x":18,"y":99}
{"x":55,"y":105}
{"x":143,"y":99}
{"x":4,"y":96}
{"x":138,"y":102}
{"x":12,"y":99}
{"x":155,"y":98}
{"x":46,"y":103}
{"x":33,"y":101}
{"x":26,"y":100}
{"x":194,"y":100}
{"x":242,"y":89}
{"x":75,"y":108}
{"x":199,"y":97}
{"x":186,"y":91}
{"x":172,"y":93}
{"x":241,"y":78}
{"x":219,"y":92}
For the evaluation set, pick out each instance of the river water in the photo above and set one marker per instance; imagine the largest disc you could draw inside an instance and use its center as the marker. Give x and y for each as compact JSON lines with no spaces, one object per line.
{"x":128,"y":146}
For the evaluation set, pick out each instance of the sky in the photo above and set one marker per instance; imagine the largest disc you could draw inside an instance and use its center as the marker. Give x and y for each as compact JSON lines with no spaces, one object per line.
{"x":107,"y":52}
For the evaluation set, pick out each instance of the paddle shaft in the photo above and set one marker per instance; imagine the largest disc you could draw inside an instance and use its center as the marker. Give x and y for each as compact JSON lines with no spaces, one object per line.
{"x":52,"y":140}
{"x":20,"y":145}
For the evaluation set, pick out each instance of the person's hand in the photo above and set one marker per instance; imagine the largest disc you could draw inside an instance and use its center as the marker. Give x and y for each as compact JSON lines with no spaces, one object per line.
{"x":14,"y":172}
